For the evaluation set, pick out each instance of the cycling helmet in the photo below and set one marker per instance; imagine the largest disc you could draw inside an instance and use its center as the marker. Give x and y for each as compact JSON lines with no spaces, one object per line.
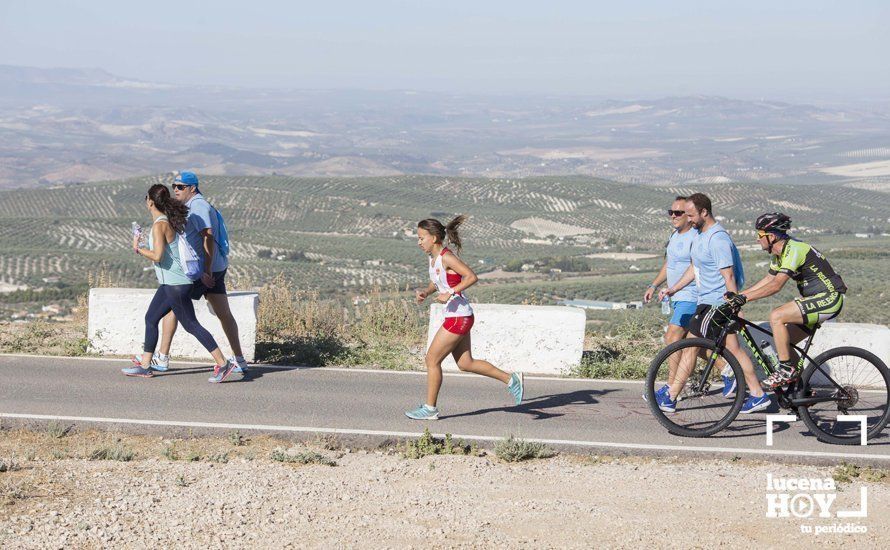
{"x":774,"y":222}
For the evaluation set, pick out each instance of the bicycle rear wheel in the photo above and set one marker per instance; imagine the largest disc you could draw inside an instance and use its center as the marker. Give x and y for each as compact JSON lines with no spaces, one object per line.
{"x":865,"y":380}
{"x":701,"y":408}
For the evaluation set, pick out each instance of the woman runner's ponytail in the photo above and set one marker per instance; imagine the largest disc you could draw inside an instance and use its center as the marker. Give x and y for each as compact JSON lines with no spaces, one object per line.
{"x":452,"y":234}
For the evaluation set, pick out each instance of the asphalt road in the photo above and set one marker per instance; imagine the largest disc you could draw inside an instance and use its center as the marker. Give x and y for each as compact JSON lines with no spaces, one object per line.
{"x":584,"y":415}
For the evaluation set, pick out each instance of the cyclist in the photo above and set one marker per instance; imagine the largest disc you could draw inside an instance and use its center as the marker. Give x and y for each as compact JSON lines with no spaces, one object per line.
{"x":821,"y":292}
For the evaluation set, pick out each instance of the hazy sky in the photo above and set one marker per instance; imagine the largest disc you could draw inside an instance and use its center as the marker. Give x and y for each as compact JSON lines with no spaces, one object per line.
{"x":775,"y":48}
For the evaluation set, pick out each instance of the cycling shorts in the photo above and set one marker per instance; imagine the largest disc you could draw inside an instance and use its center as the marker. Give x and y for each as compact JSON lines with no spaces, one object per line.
{"x":820,"y":307}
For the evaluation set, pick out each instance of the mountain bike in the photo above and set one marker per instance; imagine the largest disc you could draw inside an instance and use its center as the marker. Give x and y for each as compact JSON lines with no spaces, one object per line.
{"x":839,"y":381}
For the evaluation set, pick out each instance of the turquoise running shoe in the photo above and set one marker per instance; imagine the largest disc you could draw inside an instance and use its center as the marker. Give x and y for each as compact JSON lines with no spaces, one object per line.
{"x":423,"y":412}
{"x":516,"y":387}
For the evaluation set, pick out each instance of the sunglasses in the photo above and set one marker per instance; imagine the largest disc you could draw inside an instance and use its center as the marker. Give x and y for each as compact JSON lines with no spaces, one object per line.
{"x":676,"y":213}
{"x":762,"y":234}
{"x":180,"y":186}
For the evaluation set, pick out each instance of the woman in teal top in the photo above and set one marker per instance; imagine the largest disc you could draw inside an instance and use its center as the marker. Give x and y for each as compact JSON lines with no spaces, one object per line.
{"x":168,"y":220}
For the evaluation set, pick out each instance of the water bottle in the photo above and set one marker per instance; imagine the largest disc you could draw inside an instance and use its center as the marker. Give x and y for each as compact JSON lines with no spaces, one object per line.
{"x":666,"y":306}
{"x":137,"y":229}
{"x":769,"y":354}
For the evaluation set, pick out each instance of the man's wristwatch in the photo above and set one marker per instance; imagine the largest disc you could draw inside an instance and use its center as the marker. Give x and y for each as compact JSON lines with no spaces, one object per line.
{"x":653,"y":287}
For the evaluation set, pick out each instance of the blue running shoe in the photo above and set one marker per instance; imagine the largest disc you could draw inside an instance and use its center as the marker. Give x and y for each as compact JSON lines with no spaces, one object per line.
{"x":138,"y":371}
{"x":423,"y":412}
{"x":659,"y":391}
{"x":754,"y":404}
{"x":220,"y":372}
{"x":665,"y":402}
{"x":729,"y":386}
{"x":240,"y":366}
{"x":516,"y":387}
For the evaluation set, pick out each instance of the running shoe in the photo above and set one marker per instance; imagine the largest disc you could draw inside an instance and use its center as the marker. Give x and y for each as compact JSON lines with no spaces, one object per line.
{"x":658,"y":392}
{"x":754,"y":404}
{"x":220,"y":372}
{"x":156,"y":363}
{"x":240,"y":365}
{"x":782,"y":376}
{"x":138,"y":371}
{"x":729,"y":386}
{"x":665,"y":402}
{"x":516,"y":387}
{"x":423,"y":412}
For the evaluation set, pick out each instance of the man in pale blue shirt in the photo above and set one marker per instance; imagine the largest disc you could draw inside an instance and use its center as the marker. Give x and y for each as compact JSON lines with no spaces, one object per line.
{"x":678,"y":257}
{"x":715,"y":269}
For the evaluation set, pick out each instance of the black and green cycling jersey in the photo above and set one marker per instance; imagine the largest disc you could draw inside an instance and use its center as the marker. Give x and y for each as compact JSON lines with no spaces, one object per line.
{"x":808,"y":267}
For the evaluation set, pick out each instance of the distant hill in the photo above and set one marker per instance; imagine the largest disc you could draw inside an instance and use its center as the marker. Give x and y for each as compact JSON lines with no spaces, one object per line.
{"x":79,"y":125}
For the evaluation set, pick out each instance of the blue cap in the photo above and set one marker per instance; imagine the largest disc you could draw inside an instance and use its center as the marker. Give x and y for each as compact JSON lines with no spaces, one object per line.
{"x":188,"y":178}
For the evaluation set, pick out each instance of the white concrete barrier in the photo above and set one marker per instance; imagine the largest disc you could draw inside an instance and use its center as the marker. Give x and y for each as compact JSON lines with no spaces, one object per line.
{"x":117,"y":323}
{"x":538,"y":339}
{"x":874,"y":338}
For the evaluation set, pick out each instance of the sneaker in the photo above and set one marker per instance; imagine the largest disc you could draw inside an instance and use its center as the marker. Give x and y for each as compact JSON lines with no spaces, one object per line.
{"x":659,"y":391}
{"x":516,"y":387}
{"x":423,"y":412}
{"x":665,"y":402}
{"x":240,"y":365}
{"x":156,"y":363}
{"x":138,"y":371}
{"x":220,"y":372}
{"x":784,"y":375}
{"x":754,"y":404}
{"x":729,"y":386}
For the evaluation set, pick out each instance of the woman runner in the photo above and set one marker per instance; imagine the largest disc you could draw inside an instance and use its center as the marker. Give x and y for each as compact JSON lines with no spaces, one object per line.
{"x":168,"y":220}
{"x":449,"y":278}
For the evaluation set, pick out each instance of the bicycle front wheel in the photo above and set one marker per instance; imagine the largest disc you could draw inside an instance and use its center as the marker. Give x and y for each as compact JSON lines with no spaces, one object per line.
{"x":701,"y":408}
{"x":864,"y":390}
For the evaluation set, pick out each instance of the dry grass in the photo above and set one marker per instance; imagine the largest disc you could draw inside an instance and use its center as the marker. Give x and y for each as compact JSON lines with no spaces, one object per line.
{"x":296,"y":326}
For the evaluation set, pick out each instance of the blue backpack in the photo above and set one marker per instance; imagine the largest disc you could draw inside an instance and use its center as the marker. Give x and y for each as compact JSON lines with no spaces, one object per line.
{"x":738,"y":270}
{"x":223,"y":239}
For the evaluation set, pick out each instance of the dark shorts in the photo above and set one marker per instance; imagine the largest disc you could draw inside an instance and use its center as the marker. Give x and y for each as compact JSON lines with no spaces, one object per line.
{"x":199,"y":289}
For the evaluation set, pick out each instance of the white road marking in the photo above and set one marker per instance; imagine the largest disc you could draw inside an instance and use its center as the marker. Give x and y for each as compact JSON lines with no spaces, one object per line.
{"x":386,"y":433}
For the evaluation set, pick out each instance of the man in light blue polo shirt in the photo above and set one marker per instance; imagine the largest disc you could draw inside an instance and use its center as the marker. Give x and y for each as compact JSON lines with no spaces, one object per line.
{"x":678,"y":257}
{"x":716,"y":269}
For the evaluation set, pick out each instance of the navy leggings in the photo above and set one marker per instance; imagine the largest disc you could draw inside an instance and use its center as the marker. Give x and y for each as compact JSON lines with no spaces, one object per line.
{"x":176,"y":298}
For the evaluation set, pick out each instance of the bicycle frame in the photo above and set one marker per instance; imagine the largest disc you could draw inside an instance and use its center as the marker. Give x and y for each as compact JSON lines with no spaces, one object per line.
{"x":798,"y":400}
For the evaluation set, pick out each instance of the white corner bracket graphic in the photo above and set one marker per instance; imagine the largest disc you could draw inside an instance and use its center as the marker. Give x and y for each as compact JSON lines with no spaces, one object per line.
{"x":863,"y":423}
{"x":772,"y":418}
{"x":861,"y":418}
{"x":863,"y":507}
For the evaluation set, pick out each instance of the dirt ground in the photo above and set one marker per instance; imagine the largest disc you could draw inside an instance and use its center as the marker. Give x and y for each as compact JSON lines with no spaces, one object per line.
{"x":95,"y":490}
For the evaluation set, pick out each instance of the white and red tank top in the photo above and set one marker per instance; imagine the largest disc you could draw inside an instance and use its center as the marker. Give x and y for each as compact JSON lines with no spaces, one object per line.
{"x":458,"y":305}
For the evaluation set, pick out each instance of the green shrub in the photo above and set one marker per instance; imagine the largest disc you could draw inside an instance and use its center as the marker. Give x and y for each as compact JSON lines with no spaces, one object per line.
{"x":516,"y":450}
{"x":303,"y":457}
{"x":427,"y":445}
